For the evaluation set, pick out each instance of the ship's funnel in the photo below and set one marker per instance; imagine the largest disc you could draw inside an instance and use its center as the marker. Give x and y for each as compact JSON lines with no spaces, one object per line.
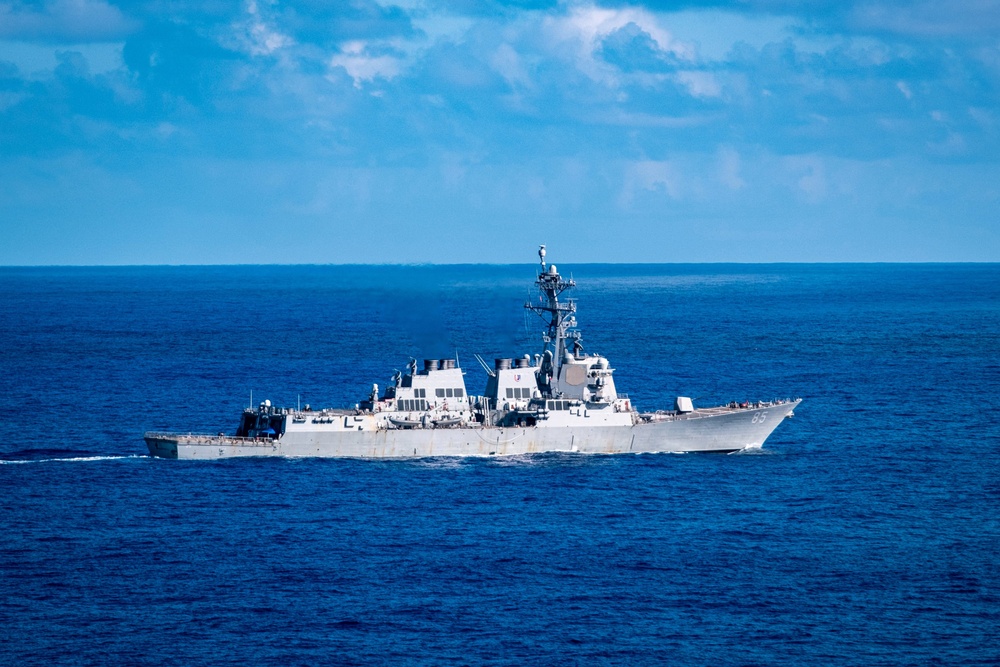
{"x":430,"y":364}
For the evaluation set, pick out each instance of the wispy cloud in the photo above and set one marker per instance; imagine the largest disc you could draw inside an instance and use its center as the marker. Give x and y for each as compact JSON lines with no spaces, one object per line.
{"x":59,"y":21}
{"x":363,"y":63}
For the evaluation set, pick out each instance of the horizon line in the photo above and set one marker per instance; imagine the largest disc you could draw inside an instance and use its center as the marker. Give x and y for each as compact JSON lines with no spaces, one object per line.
{"x":428,"y":264}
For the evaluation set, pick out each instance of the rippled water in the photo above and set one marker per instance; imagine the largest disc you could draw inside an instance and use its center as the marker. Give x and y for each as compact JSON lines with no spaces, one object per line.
{"x":865,"y":532}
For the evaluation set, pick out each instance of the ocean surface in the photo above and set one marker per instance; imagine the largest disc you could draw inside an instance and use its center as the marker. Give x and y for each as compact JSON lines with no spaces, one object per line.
{"x":866,"y":532}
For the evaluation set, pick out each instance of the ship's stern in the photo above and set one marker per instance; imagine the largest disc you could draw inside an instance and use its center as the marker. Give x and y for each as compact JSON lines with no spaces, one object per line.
{"x":161,"y":445}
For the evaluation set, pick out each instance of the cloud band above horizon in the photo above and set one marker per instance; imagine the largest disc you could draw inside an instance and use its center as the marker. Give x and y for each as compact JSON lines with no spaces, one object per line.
{"x":426,"y":131}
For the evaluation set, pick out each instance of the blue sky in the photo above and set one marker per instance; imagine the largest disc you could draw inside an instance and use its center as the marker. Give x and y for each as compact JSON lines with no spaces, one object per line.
{"x":459,"y":131}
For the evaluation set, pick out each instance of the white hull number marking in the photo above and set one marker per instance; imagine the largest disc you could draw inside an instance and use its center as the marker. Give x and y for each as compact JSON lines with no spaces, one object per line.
{"x":759,"y":417}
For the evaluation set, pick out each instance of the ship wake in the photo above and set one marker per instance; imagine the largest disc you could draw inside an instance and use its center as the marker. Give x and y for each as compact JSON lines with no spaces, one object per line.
{"x":72,"y":458}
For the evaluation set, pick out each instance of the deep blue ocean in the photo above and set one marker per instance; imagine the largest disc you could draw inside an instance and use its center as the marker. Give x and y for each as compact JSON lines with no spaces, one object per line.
{"x":866,"y":532}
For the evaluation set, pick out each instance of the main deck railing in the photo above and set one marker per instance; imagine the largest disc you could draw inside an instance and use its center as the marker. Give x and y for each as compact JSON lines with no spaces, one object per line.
{"x":221,"y":439}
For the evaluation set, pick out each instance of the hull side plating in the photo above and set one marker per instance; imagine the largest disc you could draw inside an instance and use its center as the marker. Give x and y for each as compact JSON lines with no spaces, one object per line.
{"x":732,"y":431}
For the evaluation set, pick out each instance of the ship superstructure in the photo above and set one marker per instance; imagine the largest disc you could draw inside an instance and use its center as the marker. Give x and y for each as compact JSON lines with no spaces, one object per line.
{"x":560,"y":399}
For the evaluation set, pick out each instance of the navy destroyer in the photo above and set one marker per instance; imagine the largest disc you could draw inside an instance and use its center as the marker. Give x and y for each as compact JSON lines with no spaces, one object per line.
{"x":560,"y":400}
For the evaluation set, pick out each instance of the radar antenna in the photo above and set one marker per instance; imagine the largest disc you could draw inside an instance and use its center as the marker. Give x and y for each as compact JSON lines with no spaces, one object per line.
{"x":559,"y":317}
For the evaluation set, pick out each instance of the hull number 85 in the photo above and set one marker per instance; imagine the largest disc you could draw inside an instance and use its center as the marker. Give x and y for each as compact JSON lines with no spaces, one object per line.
{"x":759,"y":417}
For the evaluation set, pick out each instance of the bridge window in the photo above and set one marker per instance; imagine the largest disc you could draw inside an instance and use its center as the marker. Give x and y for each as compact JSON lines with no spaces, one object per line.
{"x":510,"y":392}
{"x":459,"y":393}
{"x":439,"y":392}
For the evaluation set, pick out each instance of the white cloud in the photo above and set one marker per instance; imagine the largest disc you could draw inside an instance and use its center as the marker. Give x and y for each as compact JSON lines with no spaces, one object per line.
{"x":259,"y":38}
{"x":364,"y":67}
{"x":510,"y":65}
{"x":700,"y":84}
{"x":577,"y":36}
{"x":594,"y":23}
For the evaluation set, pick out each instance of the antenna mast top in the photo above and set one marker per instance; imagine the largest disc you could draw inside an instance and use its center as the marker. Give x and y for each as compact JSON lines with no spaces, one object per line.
{"x":559,"y":316}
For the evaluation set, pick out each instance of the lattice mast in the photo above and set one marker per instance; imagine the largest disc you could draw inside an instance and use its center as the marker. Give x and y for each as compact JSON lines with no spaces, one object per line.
{"x":559,"y":317}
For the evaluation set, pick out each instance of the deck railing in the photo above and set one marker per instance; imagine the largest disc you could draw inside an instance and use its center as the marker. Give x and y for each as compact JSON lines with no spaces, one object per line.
{"x":213,"y":439}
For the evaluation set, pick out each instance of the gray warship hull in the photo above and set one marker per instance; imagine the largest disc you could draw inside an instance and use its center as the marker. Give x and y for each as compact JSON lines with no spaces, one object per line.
{"x":721,"y":429}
